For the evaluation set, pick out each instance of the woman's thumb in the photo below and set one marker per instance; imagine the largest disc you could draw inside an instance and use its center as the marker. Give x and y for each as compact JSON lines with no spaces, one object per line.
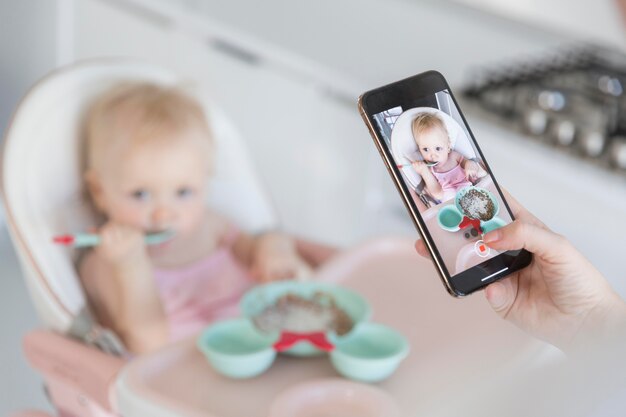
{"x":533,"y":238}
{"x":501,"y":296}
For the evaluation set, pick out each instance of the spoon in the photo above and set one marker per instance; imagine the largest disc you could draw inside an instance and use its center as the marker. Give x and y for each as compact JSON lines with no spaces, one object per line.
{"x":428,"y":164}
{"x":82,"y":240}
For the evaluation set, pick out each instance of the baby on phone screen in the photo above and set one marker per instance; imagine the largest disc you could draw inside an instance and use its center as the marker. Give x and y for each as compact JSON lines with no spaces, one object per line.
{"x":443,"y":170}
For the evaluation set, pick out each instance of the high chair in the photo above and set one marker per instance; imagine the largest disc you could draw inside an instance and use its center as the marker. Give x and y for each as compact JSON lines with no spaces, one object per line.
{"x":40,"y":184}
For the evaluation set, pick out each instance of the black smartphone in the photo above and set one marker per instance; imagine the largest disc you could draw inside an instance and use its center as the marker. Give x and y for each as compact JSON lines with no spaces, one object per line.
{"x":443,"y":178}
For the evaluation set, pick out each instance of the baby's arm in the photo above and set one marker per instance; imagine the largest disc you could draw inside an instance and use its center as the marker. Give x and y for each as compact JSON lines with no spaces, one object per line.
{"x":431,"y":183}
{"x":473,"y":170}
{"x":314,"y":253}
{"x":117,"y":278}
{"x":270,"y":256}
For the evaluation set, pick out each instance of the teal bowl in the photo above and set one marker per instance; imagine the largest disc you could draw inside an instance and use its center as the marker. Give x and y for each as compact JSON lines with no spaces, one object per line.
{"x":464,"y":191}
{"x":259,"y":298}
{"x":235,"y":348}
{"x":449,"y":218}
{"x":370,"y":353}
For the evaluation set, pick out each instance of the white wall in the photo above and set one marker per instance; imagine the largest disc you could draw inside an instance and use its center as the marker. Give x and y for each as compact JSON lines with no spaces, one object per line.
{"x":27,"y":47}
{"x":28,"y":50}
{"x":597,"y":20}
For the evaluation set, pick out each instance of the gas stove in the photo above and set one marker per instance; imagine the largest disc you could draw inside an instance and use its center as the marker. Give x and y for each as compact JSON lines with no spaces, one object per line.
{"x":572,"y":99}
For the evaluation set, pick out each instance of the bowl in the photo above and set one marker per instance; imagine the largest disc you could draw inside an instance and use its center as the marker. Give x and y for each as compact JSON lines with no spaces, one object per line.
{"x":259,"y":298}
{"x":449,"y":218}
{"x":235,"y":348}
{"x":463,"y":191}
{"x":370,"y":353}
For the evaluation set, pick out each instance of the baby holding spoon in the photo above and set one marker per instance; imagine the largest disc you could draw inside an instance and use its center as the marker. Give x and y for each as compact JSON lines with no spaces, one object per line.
{"x":443,"y":170}
{"x":162,"y":264}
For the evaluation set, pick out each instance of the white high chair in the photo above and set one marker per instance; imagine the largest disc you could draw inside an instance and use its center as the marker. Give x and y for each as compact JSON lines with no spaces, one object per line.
{"x":41,"y":187}
{"x":405,"y":150}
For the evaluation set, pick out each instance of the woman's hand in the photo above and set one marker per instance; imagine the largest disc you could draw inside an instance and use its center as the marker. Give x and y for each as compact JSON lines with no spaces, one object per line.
{"x":560,"y":297}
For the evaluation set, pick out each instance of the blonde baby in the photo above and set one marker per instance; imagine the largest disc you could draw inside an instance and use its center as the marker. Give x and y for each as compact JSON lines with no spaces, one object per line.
{"x":443,"y":170}
{"x":148,"y":155}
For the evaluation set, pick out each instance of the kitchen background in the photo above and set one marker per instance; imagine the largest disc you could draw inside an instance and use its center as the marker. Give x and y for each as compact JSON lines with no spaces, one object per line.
{"x":301,"y":65}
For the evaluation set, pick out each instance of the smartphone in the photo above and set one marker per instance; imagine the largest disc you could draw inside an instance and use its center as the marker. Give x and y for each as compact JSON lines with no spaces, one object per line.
{"x":443,"y":178}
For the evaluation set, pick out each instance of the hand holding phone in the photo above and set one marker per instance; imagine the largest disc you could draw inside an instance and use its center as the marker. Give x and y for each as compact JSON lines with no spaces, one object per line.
{"x":560,"y":297}
{"x":433,"y":157}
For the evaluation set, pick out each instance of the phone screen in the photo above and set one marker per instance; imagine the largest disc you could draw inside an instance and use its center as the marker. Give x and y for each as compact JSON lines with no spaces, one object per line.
{"x":450,"y":185}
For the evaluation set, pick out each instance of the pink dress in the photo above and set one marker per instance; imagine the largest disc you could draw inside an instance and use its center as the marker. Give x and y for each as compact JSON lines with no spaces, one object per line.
{"x":451,"y":181}
{"x":205,"y":291}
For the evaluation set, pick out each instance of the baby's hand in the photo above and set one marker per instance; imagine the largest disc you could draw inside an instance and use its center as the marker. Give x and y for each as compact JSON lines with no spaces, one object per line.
{"x":473,"y":170}
{"x":419,"y":166}
{"x":120,"y":244}
{"x":275,"y":258}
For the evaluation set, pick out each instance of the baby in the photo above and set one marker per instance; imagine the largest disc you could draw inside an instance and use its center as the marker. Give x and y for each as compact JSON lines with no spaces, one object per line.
{"x":443,"y":170}
{"x":147,"y":158}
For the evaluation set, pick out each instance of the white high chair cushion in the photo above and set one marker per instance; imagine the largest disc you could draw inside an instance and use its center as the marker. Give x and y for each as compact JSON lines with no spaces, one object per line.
{"x":41,"y":178}
{"x":405,"y":150}
{"x":235,"y":188}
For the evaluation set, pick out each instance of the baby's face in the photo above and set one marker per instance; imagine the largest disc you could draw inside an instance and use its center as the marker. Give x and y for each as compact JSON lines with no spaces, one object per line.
{"x":434,"y":145}
{"x":158,"y":185}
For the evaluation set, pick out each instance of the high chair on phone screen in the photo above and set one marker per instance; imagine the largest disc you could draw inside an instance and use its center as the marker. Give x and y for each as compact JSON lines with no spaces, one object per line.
{"x":40,"y":183}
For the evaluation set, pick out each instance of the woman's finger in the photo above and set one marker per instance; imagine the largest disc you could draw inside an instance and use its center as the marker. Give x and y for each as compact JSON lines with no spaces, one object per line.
{"x":420,"y":247}
{"x":522,"y":235}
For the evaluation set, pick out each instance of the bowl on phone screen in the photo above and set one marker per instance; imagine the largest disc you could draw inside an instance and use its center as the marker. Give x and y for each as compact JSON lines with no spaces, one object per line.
{"x":477,"y":203}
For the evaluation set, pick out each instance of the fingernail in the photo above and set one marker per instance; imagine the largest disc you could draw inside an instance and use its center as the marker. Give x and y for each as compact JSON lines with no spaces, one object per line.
{"x":492,"y":236}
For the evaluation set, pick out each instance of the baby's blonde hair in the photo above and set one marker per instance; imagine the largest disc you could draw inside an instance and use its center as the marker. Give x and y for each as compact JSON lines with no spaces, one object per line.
{"x":135,"y":112}
{"x":425,"y":122}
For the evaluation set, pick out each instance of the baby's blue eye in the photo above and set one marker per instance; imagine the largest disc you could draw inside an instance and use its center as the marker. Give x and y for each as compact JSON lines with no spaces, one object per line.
{"x":438,"y":148}
{"x":425,"y":149}
{"x":184,"y":192}
{"x":140,"y":195}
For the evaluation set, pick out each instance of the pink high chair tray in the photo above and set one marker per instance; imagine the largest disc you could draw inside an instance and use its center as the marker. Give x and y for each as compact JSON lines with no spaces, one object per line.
{"x":334,"y":397}
{"x":454,"y":342}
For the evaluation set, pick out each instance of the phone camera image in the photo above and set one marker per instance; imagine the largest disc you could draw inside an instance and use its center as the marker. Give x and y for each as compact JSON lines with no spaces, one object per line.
{"x":446,"y":177}
{"x":441,"y":172}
